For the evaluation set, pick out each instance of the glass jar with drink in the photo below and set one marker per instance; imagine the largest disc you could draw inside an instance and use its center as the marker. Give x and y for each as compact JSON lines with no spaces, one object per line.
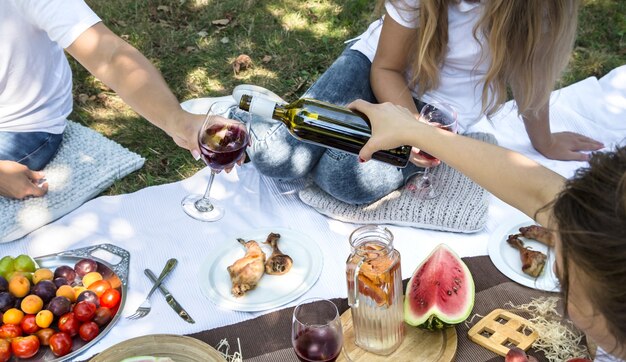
{"x":375,"y":290}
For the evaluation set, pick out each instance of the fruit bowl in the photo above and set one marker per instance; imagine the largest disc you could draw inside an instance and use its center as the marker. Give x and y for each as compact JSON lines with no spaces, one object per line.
{"x":115,"y":274}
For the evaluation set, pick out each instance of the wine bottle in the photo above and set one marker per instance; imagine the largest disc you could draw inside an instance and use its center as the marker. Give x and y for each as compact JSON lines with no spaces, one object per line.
{"x":324,"y":124}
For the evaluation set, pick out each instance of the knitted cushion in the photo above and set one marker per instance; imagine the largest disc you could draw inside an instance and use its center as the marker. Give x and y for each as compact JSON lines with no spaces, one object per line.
{"x":85,"y":165}
{"x":462,"y":206}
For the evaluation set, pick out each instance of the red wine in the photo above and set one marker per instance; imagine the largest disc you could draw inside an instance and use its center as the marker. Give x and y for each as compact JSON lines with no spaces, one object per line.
{"x":221,"y":145}
{"x":321,"y":344}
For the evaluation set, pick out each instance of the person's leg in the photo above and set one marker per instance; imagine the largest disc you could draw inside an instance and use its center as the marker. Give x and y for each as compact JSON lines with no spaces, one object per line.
{"x":32,"y":149}
{"x":275,"y":152}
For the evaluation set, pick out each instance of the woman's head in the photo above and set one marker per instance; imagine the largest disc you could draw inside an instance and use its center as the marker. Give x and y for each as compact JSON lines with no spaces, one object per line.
{"x":528,"y":41}
{"x":590,"y":214}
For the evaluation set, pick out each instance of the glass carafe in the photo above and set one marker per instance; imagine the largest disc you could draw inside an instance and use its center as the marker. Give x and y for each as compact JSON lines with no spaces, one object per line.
{"x":375,"y":290}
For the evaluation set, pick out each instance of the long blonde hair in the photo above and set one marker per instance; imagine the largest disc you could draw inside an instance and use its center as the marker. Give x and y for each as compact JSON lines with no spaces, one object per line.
{"x":529,"y":45}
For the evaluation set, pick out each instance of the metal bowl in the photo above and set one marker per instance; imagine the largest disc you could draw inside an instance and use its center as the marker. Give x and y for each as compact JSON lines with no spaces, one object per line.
{"x":116,"y":274}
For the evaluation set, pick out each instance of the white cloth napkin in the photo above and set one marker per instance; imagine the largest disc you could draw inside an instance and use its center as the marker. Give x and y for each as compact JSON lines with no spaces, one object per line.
{"x":151,"y":225}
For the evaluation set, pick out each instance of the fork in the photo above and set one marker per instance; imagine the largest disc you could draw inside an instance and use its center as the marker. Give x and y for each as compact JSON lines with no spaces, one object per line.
{"x":145,"y":307}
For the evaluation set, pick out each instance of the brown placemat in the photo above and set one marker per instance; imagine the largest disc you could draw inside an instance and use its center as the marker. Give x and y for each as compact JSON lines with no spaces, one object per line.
{"x":267,"y":338}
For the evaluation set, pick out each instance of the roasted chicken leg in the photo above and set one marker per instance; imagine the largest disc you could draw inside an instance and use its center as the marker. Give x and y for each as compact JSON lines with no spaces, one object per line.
{"x":538,"y":233}
{"x":278,"y":263}
{"x":532,"y":261}
{"x":246,"y":272}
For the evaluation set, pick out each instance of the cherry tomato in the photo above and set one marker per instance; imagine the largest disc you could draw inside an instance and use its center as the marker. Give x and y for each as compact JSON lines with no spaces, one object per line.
{"x":5,"y":350}
{"x":10,"y":331}
{"x":60,"y":344}
{"x":29,"y":324}
{"x":25,"y":347}
{"x":44,"y":335}
{"x":69,"y":324}
{"x":88,"y":331}
{"x":84,"y":311}
{"x":110,"y":298}
{"x":99,"y":287}
{"x":103,"y":316}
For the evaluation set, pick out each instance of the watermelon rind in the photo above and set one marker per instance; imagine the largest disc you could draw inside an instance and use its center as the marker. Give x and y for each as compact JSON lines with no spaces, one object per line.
{"x":434,"y":318}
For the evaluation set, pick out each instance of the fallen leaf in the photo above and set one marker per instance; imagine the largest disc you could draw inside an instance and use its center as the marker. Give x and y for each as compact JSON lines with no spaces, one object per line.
{"x":202,"y":33}
{"x":165,"y":23}
{"x":125,"y":36}
{"x":241,"y":63}
{"x":191,"y":49}
{"x":266,"y":59}
{"x":92,"y":98}
{"x":163,"y":8}
{"x":225,"y":40}
{"x":102,"y":96}
{"x":83,"y":98}
{"x":222,"y":22}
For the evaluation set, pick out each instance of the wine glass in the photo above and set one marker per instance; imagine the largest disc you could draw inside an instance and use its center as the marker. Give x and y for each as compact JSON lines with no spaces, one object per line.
{"x":222,"y":142}
{"x":444,"y":116}
{"x":316,"y":330}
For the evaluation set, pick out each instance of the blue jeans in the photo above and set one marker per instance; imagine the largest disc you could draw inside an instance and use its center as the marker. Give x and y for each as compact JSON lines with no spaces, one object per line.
{"x":32,"y":149}
{"x":276,"y":153}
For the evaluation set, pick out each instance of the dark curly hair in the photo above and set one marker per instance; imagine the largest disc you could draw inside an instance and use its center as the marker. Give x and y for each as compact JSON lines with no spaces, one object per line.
{"x":590,"y":213}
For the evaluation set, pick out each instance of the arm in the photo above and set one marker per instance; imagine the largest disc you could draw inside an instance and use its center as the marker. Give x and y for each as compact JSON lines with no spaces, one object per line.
{"x":510,"y":176}
{"x":557,"y":146}
{"x":18,"y":182}
{"x":390,"y":62}
{"x":137,"y":81}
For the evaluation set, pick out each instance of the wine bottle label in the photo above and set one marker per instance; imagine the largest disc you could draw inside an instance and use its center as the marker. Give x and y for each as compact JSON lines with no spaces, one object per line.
{"x":262,"y":107}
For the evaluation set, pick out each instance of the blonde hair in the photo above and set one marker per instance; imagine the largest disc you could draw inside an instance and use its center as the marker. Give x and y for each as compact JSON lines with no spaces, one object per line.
{"x":529,"y":44}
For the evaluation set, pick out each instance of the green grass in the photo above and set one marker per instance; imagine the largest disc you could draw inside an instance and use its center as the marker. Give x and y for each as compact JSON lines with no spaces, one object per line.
{"x":302,"y":38}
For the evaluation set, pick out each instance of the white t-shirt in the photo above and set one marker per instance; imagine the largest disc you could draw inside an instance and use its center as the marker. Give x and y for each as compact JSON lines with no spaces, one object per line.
{"x":462,"y":72}
{"x":35,"y":77}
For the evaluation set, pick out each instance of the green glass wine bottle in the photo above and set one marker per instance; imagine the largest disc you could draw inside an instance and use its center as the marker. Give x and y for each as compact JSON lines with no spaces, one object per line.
{"x":324,"y":124}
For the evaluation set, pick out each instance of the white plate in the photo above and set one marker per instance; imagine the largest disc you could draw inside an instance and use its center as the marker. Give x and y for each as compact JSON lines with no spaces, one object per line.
{"x":507,"y":259}
{"x":272,"y":290}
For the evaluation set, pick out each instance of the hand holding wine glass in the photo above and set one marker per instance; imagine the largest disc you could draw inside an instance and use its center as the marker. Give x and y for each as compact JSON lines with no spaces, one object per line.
{"x":222,"y":143}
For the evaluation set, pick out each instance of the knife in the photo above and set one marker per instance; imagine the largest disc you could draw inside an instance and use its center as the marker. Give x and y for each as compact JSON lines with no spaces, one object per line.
{"x":170,"y":299}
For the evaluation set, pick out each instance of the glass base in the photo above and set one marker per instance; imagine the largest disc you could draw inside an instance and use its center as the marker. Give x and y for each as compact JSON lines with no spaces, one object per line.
{"x":425,"y":185}
{"x":203,"y":211}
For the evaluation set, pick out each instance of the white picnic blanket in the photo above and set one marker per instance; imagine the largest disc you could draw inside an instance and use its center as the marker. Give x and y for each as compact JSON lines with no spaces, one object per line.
{"x":151,"y":225}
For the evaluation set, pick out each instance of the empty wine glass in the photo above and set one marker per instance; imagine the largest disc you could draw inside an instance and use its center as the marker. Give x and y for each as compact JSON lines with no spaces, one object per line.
{"x":222,"y":142}
{"x":444,"y":116}
{"x":316,"y":330}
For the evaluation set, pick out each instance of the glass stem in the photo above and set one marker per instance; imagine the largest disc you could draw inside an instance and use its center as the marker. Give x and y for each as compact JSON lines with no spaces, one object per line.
{"x":204,"y":204}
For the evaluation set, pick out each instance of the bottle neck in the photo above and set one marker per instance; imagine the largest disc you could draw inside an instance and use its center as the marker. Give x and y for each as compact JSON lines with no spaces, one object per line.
{"x":261,"y":107}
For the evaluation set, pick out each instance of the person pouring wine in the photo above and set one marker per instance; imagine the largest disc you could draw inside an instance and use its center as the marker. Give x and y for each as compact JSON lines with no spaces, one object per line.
{"x":587,"y":213}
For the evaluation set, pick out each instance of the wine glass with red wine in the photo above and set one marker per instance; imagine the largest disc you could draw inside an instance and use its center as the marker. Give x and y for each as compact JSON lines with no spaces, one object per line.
{"x":222,"y":143}
{"x":316,"y":331}
{"x":444,"y":116}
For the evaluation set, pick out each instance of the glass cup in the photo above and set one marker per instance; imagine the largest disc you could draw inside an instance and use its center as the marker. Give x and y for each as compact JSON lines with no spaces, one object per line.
{"x":222,"y":143}
{"x":316,"y":333}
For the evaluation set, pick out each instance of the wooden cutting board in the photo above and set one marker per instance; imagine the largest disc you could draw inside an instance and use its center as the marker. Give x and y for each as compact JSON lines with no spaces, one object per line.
{"x":418,"y":344}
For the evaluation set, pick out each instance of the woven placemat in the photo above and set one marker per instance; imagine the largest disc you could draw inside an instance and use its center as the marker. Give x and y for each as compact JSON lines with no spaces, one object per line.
{"x":461,"y":207}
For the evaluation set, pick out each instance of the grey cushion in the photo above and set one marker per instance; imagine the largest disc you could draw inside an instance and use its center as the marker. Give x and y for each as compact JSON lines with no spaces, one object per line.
{"x":85,"y":165}
{"x":462,"y":206}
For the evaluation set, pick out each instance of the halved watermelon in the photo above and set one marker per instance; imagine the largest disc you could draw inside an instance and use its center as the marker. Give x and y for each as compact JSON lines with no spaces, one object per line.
{"x":440,"y":292}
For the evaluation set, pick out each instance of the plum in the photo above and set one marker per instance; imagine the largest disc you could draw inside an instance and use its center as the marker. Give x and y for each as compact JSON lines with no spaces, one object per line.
{"x":59,"y":306}
{"x":4,"y":284}
{"x":88,"y":296}
{"x":85,"y":266}
{"x":66,"y":272}
{"x":45,"y":289}
{"x":7,"y":301}
{"x":60,"y":281}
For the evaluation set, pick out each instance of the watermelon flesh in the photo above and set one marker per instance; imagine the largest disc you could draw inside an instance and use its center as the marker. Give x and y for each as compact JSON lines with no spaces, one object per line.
{"x":440,"y":292}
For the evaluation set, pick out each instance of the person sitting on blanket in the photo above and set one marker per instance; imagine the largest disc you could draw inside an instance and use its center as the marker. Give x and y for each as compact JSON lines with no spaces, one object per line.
{"x":461,"y":52}
{"x":587,"y":213}
{"x":36,"y":85}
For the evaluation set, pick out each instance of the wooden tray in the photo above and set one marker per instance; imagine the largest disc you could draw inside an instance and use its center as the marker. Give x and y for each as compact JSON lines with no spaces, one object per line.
{"x":178,"y":348}
{"x":418,"y":344}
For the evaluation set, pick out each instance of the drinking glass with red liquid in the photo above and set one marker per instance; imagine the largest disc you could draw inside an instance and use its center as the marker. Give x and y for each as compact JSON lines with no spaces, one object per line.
{"x":316,"y":333}
{"x":444,"y":116}
{"x":222,"y":143}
